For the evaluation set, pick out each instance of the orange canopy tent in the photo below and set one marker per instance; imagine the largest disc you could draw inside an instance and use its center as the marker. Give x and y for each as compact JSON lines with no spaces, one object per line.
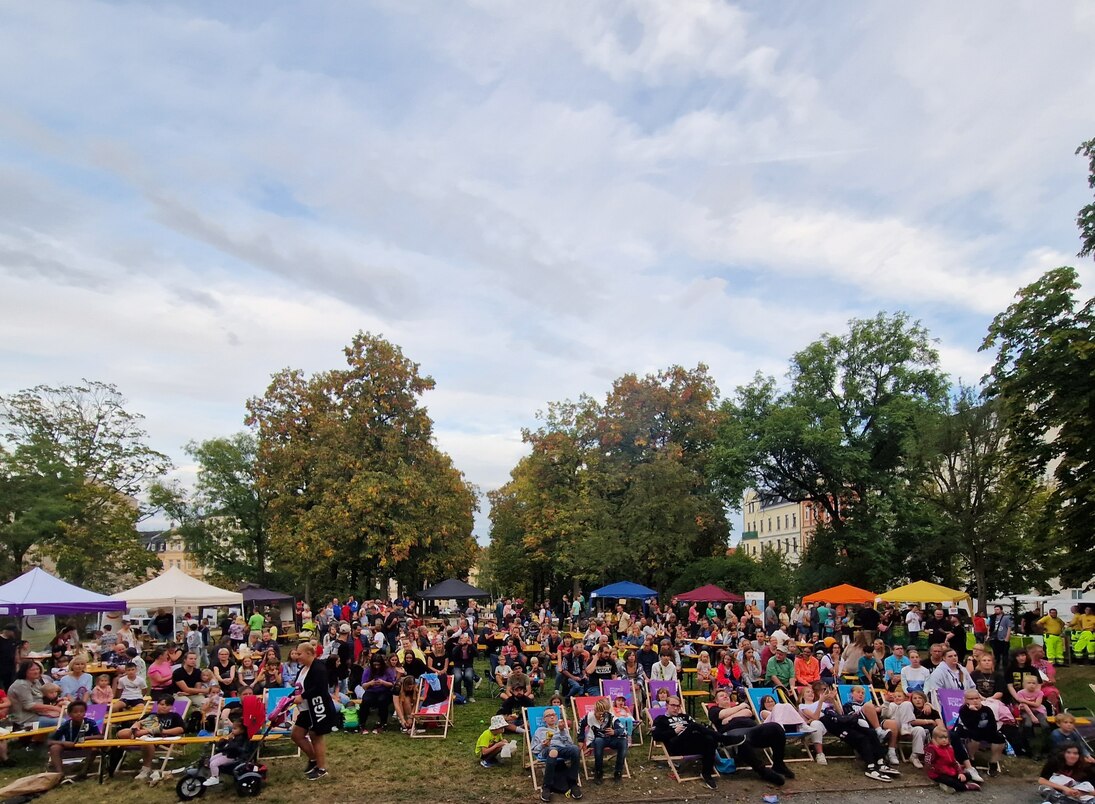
{"x":845,"y":593}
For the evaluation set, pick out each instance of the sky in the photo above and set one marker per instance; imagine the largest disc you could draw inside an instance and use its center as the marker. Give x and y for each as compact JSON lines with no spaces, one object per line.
{"x":531,"y":199}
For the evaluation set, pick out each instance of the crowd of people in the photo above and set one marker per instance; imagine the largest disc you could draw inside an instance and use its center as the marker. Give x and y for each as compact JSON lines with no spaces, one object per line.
{"x":364,"y":661}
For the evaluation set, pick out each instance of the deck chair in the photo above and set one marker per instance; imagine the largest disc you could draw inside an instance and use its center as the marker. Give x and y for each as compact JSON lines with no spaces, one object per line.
{"x":163,"y":751}
{"x":271,"y":697}
{"x":613,"y":688}
{"x":583,"y":705}
{"x":533,"y":717}
{"x":660,"y":752}
{"x":653,"y":687}
{"x":79,"y":759}
{"x":756,"y":695}
{"x":948,"y":702}
{"x":432,"y":707}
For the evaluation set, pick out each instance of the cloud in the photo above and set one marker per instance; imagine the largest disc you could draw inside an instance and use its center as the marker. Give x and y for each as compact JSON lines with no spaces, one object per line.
{"x":531,"y":200}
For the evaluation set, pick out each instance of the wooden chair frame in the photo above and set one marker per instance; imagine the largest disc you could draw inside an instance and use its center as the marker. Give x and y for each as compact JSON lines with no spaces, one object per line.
{"x":444,"y":719}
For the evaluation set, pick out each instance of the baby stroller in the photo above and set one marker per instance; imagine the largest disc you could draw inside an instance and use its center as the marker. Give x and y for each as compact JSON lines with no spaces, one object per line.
{"x":248,"y":774}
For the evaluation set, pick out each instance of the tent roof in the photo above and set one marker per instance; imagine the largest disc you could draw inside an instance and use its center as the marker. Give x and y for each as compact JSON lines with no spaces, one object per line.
{"x":844,"y":593}
{"x":256,"y":594}
{"x":625,"y":589}
{"x":38,"y":592}
{"x":923,"y":592}
{"x":175,"y":589}
{"x":710,"y":594}
{"x":452,"y":589}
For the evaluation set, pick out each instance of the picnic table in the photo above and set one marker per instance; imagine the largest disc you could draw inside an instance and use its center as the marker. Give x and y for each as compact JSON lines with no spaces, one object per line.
{"x":690,"y":698}
{"x":20,"y":732}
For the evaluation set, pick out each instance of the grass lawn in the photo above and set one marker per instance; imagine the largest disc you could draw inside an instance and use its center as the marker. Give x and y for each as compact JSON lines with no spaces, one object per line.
{"x":393,"y":767}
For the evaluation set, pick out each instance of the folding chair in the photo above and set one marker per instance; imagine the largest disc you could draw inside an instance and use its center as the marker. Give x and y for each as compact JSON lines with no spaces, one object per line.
{"x":272,"y":696}
{"x":533,"y":717}
{"x":583,"y":705}
{"x":673,"y":688}
{"x":432,"y":708}
{"x":757,"y":694}
{"x":660,"y":752}
{"x":612,"y":689}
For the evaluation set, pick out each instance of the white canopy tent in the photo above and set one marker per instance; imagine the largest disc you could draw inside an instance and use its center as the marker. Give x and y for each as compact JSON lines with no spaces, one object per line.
{"x":174,"y":589}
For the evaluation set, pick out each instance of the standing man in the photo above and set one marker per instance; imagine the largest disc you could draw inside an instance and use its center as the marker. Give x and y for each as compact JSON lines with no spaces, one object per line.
{"x":1053,"y":629}
{"x":255,"y":623}
{"x":1000,"y":626}
{"x":8,"y":645}
{"x":771,"y":618}
{"x":913,"y":624}
{"x":1083,"y":634}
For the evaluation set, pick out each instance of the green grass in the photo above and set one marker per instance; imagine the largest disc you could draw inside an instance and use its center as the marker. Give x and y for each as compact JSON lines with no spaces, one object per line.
{"x":391,"y":767}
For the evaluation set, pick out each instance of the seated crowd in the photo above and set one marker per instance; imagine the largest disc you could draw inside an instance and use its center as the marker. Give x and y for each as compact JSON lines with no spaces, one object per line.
{"x":866,"y":678}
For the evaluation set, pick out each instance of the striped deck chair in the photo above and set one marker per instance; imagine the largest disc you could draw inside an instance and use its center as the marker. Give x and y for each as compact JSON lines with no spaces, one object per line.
{"x":272,"y":697}
{"x":533,"y":717}
{"x":583,"y":705}
{"x":612,"y":689}
{"x":432,"y":707}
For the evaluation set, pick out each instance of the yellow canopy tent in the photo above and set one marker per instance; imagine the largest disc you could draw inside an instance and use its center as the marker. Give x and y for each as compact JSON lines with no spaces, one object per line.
{"x":925,"y":592}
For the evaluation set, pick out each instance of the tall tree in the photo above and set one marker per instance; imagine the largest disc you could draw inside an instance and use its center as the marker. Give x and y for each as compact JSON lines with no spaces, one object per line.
{"x":991,"y":516}
{"x":1044,"y":377}
{"x":357,"y":492}
{"x":77,"y":453}
{"x":839,"y":436}
{"x":619,"y":490}
{"x":223,"y":522}
{"x":1085,"y":220}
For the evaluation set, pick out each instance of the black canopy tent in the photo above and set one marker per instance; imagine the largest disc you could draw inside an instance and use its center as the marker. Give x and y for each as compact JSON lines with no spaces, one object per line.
{"x":452,"y":589}
{"x":256,"y":594}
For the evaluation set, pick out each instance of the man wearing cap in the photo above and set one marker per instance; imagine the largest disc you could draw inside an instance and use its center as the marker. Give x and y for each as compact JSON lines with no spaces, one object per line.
{"x":8,"y":645}
{"x":780,"y":671}
{"x":489,"y":746}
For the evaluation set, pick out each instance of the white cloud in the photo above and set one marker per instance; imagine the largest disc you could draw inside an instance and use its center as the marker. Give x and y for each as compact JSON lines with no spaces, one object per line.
{"x":531,"y":200}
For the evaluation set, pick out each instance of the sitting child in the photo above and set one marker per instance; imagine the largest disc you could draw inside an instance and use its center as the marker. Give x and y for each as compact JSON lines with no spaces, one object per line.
{"x":535,"y":674}
{"x":102,"y":693}
{"x":490,"y":746}
{"x":1066,"y":735}
{"x":703,"y":668}
{"x":977,"y":724}
{"x":1032,"y":703}
{"x":228,"y":751}
{"x":502,"y":672}
{"x":623,"y":714}
{"x":214,"y":699}
{"x":941,"y":766}
{"x":60,"y":667}
{"x":131,"y":687}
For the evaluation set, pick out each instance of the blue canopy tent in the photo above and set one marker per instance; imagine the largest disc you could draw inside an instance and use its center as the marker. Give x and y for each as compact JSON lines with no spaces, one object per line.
{"x":624,"y":589}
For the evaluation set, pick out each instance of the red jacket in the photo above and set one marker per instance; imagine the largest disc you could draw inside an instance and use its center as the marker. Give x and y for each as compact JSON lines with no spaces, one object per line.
{"x":939,"y":761}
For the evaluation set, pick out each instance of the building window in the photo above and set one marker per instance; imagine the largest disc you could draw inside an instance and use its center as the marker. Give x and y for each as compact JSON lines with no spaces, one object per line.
{"x":794,"y":523}
{"x":769,"y":524}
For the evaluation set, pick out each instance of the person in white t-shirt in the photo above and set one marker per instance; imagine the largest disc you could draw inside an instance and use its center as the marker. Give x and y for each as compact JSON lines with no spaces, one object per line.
{"x":131,"y":687}
{"x":913,"y":623}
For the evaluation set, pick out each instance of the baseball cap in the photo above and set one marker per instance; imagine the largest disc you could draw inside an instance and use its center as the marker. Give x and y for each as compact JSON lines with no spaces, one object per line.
{"x":344,"y":628}
{"x":497,"y":722}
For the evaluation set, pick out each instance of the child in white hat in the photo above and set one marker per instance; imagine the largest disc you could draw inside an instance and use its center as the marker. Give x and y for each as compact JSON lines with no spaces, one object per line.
{"x":490,"y":748}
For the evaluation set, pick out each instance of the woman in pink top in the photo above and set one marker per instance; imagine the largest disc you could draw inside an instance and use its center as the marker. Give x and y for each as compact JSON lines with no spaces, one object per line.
{"x":159,"y":676}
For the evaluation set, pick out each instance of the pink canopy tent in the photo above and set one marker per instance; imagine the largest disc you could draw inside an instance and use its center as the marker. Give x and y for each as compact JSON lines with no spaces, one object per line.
{"x":709,"y":594}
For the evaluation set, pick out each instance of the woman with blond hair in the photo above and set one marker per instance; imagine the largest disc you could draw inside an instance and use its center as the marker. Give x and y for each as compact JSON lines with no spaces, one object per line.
{"x":603,"y":731}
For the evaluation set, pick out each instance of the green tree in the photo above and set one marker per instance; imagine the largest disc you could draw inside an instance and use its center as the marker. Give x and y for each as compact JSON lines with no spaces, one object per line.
{"x":75,"y":452}
{"x":223,"y":522}
{"x":839,"y":436}
{"x":990,"y":514}
{"x":1085,"y":220}
{"x":356,"y":491}
{"x":1044,"y":378}
{"x":619,"y":490}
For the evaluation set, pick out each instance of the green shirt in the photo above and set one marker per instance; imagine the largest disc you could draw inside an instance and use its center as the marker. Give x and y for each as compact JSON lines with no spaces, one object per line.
{"x":486,"y":739}
{"x":256,"y":621}
{"x":784,"y":671}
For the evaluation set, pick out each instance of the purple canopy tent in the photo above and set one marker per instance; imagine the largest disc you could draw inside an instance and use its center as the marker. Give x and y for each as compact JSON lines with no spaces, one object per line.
{"x":38,"y":592}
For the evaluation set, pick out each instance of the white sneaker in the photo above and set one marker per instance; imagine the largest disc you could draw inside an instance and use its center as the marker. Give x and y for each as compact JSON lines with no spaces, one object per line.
{"x":877,"y":776}
{"x":883,"y":734}
{"x":212,"y":781}
{"x":821,"y":760}
{"x":892,"y":757}
{"x":972,"y":774}
{"x":143,"y":774}
{"x":915,"y":760}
